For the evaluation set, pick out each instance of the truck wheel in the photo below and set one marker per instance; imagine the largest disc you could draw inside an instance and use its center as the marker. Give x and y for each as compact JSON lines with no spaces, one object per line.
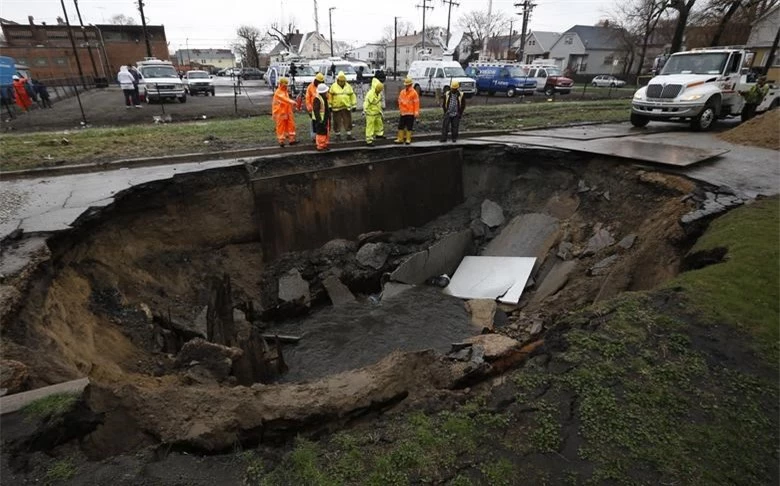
{"x":706,"y":119}
{"x":549,"y":90}
{"x":510,"y":93}
{"x":183,"y":98}
{"x":418,"y":89}
{"x":212,"y":91}
{"x":639,"y":120}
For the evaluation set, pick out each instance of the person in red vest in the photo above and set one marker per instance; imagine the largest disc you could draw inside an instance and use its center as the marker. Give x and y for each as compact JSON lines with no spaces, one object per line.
{"x":20,"y":91}
{"x":282,"y":113}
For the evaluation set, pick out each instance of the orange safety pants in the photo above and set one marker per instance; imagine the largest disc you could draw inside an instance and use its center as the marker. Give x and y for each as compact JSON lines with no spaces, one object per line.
{"x":285,"y":129}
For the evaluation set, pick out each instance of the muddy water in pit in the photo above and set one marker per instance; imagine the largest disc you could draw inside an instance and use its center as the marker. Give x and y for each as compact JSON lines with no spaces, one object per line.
{"x":341,"y":338}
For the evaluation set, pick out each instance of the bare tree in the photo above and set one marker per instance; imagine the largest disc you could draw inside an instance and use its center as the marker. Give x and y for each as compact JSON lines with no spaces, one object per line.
{"x":736,"y":14}
{"x":639,"y":19}
{"x":683,"y":8}
{"x":478,"y":26}
{"x":122,"y":19}
{"x":388,"y":33}
{"x":248,"y":45}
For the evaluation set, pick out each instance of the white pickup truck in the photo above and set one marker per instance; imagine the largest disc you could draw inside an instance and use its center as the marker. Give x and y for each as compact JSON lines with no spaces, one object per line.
{"x":698,"y":87}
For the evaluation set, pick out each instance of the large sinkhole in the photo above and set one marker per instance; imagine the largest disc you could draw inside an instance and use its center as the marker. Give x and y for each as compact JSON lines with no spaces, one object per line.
{"x":216,"y":307}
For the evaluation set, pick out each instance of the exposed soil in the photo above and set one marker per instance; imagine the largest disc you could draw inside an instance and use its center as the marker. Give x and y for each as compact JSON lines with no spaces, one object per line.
{"x":762,"y":131}
{"x":94,"y":307}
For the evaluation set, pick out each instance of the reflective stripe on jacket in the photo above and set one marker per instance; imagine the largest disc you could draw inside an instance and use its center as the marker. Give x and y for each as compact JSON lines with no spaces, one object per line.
{"x":409,"y":102}
{"x":319,"y":107}
{"x":342,"y":98}
{"x":461,"y":102}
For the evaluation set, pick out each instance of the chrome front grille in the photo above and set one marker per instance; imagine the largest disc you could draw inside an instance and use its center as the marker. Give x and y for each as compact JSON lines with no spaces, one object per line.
{"x":660,"y":91}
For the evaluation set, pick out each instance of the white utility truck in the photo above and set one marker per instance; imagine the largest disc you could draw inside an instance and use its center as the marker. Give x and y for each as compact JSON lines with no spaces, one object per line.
{"x":698,"y":87}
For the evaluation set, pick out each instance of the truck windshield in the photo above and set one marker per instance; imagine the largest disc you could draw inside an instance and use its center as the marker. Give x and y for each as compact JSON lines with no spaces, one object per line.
{"x":454,"y":72}
{"x":158,"y":72}
{"x":696,"y":63}
{"x":517,"y":72}
{"x":347,"y":68}
{"x":304,"y":71}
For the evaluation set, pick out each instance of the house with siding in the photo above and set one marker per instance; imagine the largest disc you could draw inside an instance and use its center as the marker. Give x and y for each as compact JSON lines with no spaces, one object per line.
{"x":587,"y":49}
{"x":311,"y":45}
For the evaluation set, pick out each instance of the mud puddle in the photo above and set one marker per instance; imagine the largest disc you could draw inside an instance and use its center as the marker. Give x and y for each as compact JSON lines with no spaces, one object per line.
{"x":350,"y":336}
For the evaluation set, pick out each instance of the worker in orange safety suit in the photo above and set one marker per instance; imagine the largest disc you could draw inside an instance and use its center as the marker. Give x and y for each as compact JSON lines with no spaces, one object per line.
{"x":409,"y":107}
{"x":282,"y":113}
{"x":311,"y":93}
{"x":20,"y":90}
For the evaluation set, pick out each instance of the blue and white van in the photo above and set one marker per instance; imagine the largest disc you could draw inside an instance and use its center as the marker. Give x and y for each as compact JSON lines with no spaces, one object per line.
{"x":506,"y":78}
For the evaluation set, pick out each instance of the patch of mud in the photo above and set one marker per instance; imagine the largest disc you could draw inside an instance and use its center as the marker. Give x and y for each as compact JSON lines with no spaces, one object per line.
{"x":762,"y":131}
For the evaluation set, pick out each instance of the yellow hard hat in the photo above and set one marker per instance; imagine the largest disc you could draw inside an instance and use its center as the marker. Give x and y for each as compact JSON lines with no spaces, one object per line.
{"x":455,"y":85}
{"x":341,"y":76}
{"x":379,"y":86}
{"x":320,"y":77}
{"x":284,"y":80}
{"x":407,"y":81}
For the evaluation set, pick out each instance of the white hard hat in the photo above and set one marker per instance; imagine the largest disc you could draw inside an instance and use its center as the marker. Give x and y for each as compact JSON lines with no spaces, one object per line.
{"x":322,"y":88}
{"x":16,"y":77}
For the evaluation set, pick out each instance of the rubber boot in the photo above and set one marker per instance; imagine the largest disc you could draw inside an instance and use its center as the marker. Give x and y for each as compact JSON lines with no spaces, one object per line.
{"x":408,"y":137}
{"x":400,"y":137}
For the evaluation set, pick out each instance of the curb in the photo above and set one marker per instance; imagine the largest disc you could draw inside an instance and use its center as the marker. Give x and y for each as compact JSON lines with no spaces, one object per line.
{"x":206,"y":156}
{"x":17,"y":401}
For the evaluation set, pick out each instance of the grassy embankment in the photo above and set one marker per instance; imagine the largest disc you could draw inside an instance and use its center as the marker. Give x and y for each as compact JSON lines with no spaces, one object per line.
{"x":25,"y":151}
{"x":673,"y":386}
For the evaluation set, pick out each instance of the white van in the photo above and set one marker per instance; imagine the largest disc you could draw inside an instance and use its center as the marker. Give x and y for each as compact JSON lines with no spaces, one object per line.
{"x":431,"y":76}
{"x":304,"y":75}
{"x":327,"y":66}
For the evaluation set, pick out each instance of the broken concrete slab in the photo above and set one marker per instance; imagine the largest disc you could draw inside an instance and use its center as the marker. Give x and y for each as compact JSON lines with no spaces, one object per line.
{"x":601,"y":239}
{"x":293,"y":288}
{"x":602,"y":267}
{"x":555,"y":280}
{"x":393,"y":289}
{"x":214,"y":359}
{"x":494,"y":346}
{"x":527,"y":235}
{"x":562,"y":206}
{"x":17,"y":401}
{"x":492,"y":214}
{"x":441,"y":258}
{"x":373,"y":255}
{"x":565,"y":250}
{"x":483,"y":312}
{"x":502,"y":278}
{"x":338,"y":292}
{"x":627,"y":242}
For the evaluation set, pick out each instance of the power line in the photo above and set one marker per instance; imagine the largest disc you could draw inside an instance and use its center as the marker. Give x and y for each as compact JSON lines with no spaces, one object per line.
{"x":449,"y":13}
{"x":528,"y":7}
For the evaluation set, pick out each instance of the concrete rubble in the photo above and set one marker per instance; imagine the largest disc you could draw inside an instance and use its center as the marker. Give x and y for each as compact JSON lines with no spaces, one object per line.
{"x":483,"y":312}
{"x":441,"y":258}
{"x":393,"y":289}
{"x":13,"y":376}
{"x":627,"y":242}
{"x":293,"y":288}
{"x":526,"y":235}
{"x":205,"y":361}
{"x":603,"y":266}
{"x":492,"y":214}
{"x":555,"y":280}
{"x":373,"y":255}
{"x":338,"y":292}
{"x":712,"y":205}
{"x":601,"y":239}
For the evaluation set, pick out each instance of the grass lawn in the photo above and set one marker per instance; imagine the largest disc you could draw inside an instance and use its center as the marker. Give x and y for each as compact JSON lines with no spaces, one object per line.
{"x":27,"y":151}
{"x":673,"y":386}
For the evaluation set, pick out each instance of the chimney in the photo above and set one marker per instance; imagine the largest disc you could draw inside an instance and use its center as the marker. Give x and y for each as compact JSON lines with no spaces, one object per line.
{"x":297,"y":31}
{"x":31,"y":19}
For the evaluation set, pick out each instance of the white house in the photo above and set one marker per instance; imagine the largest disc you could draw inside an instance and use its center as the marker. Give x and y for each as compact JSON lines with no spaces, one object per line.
{"x":538,"y":45}
{"x":311,"y":45}
{"x":408,"y":51}
{"x":371,"y":54}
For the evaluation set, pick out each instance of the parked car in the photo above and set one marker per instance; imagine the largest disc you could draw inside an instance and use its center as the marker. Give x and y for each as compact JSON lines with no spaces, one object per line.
{"x":160,"y":81}
{"x":250,"y":73}
{"x":198,"y":82}
{"x":606,"y":80}
{"x":431,"y":76}
{"x":549,"y":78}
{"x":494,"y":77}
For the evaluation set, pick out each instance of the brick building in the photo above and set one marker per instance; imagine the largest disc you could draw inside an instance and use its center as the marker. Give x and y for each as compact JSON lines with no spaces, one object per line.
{"x":47,"y":50}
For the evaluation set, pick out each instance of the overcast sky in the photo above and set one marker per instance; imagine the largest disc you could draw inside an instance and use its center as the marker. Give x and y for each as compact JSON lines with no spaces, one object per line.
{"x":212,"y":23}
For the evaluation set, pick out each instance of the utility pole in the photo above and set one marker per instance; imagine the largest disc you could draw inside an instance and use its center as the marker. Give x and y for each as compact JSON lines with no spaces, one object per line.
{"x":78,"y":63}
{"x":488,"y":20}
{"x":143,"y":25}
{"x":528,"y":7}
{"x":316,"y":18}
{"x":395,"y":48}
{"x":509,"y":46}
{"x":449,"y":13}
{"x":86,"y":41}
{"x":187,"y":44}
{"x":330,"y":26}
{"x":424,"y":7}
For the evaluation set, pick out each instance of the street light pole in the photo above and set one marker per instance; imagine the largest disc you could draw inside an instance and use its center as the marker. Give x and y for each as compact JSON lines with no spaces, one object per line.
{"x":78,"y":63}
{"x":330,"y":27}
{"x":395,"y":48}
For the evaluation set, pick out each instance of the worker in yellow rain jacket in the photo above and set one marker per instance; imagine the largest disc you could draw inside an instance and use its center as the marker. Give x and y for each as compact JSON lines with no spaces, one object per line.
{"x":311,"y":93}
{"x":372,"y":109}
{"x":320,"y":115}
{"x":409,"y":108}
{"x":342,"y":102}
{"x":282,"y":113}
